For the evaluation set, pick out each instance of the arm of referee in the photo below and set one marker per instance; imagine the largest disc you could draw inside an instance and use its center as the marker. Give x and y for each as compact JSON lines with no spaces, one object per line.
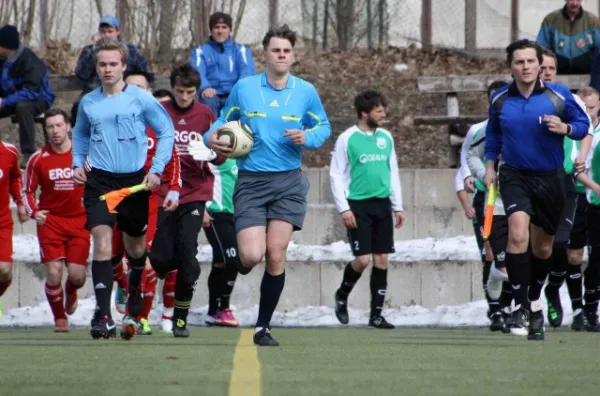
{"x":81,"y":137}
{"x":493,"y":134}
{"x":318,"y":128}
{"x":576,"y":116}
{"x":160,"y":122}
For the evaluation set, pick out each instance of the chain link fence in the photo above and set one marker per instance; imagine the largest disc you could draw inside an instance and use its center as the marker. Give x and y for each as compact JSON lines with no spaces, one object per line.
{"x":165,"y":30}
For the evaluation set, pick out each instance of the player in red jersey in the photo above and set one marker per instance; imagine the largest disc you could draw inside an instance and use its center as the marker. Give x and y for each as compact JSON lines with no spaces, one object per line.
{"x":170,"y":178}
{"x":60,"y":217}
{"x":10,"y":186}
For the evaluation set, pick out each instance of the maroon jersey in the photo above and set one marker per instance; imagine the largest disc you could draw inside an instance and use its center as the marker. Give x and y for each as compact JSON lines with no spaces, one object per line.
{"x":197,"y":179}
{"x":53,"y":173}
{"x":10,"y":183}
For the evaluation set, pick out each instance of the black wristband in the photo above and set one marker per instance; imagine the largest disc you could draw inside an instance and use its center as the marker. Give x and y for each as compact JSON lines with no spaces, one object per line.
{"x":569,"y":130}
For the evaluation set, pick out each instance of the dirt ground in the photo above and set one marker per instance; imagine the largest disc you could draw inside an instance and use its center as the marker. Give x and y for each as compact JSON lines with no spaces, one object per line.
{"x":338,"y":76}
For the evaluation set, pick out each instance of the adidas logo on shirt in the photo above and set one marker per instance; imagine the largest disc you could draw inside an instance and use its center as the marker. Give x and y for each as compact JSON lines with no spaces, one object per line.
{"x":100,"y":286}
{"x":182,"y":122}
{"x":195,"y":213}
{"x":274,"y":104}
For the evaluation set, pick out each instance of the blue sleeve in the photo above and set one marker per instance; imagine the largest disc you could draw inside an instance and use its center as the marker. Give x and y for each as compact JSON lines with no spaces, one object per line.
{"x":544,"y":37}
{"x":81,"y":137}
{"x":316,"y":124}
{"x":197,"y":60}
{"x":493,"y":136}
{"x":159,"y":120}
{"x":230,"y":112}
{"x":245,"y":62}
{"x":576,"y":116}
{"x":35,"y":76}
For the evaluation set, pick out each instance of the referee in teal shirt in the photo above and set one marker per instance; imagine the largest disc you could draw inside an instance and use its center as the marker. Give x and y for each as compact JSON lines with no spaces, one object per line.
{"x":285,"y":113}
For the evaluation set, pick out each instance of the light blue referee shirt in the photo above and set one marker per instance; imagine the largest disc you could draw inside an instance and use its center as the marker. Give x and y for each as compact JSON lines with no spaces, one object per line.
{"x":111,"y":131}
{"x":269,"y":112}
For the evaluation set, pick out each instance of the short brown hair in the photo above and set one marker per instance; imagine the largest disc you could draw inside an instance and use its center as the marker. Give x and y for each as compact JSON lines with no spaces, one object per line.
{"x":108,"y":44}
{"x":283,"y":32}
{"x":53,"y":112}
{"x":550,"y":54}
{"x":588,"y":91}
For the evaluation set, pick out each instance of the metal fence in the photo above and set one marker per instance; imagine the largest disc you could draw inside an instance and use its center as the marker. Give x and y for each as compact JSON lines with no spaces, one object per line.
{"x":165,"y":30}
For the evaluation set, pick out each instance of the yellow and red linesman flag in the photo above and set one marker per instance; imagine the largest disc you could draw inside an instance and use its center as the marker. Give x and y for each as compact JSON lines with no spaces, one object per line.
{"x":114,"y":198}
{"x":489,"y":211}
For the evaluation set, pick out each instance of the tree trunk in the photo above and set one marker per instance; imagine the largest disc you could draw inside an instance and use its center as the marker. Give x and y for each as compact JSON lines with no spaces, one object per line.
{"x":315,"y":24}
{"x":202,"y":10}
{"x":28,"y":29}
{"x":273,"y":13}
{"x":238,"y":18}
{"x":166,"y":26}
{"x":44,"y":22}
{"x":325,"y":24}
{"x":99,"y":8}
{"x":345,"y":22}
{"x":369,"y":25}
{"x":123,"y":17}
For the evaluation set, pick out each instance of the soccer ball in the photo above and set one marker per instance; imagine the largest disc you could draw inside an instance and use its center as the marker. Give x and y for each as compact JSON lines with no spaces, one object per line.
{"x":238,"y":136}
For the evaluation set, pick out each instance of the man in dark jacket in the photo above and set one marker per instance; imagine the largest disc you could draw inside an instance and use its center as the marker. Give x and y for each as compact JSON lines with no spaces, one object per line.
{"x":24,"y":87}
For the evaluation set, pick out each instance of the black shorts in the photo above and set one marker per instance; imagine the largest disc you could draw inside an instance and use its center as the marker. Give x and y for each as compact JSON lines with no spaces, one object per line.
{"x":132,"y":212}
{"x":374,"y":232}
{"x":479,"y":207}
{"x":175,"y":243}
{"x":567,"y":217}
{"x":499,"y":239}
{"x":539,"y":194}
{"x":579,"y":237}
{"x":222,"y":238}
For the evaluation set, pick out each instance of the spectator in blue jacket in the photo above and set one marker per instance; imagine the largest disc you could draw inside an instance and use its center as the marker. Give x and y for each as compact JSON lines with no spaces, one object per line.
{"x":86,"y":64}
{"x":221,"y":63}
{"x":24,"y":87}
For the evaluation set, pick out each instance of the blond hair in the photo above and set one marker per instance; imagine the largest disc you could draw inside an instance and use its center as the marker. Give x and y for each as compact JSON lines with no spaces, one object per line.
{"x":588,"y":91}
{"x":108,"y":44}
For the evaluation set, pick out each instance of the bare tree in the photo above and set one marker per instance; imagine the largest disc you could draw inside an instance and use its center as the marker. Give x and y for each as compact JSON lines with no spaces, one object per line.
{"x":166,"y":29}
{"x":28,"y":26}
{"x":273,"y":12}
{"x":325,"y":24}
{"x":99,"y":7}
{"x":383,"y":22}
{"x":369,"y":25}
{"x":345,"y":22}
{"x":44,"y":21}
{"x":238,"y":17}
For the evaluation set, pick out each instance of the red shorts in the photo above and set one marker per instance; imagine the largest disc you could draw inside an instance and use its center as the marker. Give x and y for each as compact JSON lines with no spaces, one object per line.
{"x":152,"y":219}
{"x":117,"y":241}
{"x":64,"y":238}
{"x":6,"y":245}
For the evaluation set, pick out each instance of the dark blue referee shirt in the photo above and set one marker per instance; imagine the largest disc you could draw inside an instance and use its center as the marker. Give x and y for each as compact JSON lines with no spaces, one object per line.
{"x":516,"y":126}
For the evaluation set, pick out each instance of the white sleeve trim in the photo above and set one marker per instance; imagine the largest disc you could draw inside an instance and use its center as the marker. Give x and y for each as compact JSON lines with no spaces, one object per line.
{"x":339,"y":172}
{"x":396,"y":187}
{"x":459,"y":181}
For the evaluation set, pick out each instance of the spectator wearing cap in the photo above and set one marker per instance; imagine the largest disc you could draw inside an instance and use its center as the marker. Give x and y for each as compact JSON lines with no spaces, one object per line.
{"x":221,"y":63}
{"x":86,"y":65}
{"x":24,"y":87}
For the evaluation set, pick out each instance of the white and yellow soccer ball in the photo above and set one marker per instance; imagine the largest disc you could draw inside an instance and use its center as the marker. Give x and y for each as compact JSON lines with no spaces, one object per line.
{"x":238,"y":136}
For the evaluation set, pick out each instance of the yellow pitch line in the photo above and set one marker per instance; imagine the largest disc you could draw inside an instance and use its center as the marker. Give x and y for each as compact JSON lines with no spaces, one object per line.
{"x":245,"y":376}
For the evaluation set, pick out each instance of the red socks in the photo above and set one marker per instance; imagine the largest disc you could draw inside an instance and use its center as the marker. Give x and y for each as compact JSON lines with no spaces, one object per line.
{"x":148,"y":290}
{"x":54,"y":294}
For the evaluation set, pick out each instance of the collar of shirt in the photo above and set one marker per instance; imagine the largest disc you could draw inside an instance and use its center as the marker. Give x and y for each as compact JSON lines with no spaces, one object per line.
{"x":291,"y":82}
{"x":539,"y":87}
